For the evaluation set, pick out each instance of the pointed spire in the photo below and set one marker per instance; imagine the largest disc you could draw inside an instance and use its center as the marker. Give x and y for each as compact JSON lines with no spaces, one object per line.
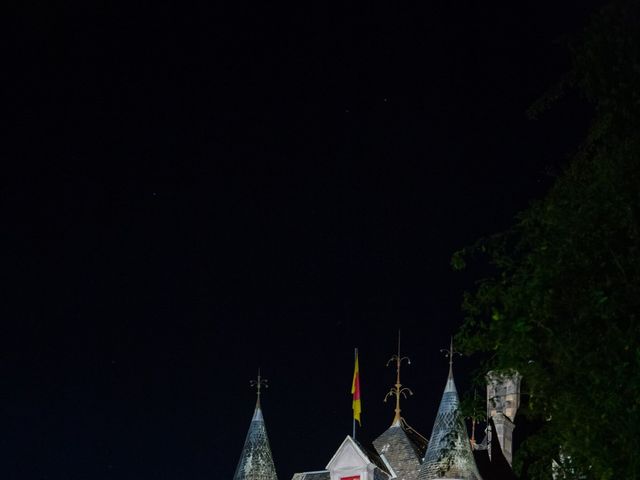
{"x":449,"y":354}
{"x":256,"y":461}
{"x":258,"y":383}
{"x":397,"y":391}
{"x":449,"y":452}
{"x":402,"y":446}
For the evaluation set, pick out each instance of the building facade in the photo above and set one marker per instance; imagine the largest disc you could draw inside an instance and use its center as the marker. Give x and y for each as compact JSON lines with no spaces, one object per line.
{"x":401,"y":452}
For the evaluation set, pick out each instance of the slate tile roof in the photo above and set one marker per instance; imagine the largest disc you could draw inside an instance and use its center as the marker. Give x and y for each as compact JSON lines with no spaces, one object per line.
{"x":374,"y":458}
{"x":449,"y":452}
{"x":256,"y":461}
{"x":312,"y":476}
{"x":403,"y":448}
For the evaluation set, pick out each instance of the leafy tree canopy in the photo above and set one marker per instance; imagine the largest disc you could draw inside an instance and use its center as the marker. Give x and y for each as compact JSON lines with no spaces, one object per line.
{"x":563,"y":303}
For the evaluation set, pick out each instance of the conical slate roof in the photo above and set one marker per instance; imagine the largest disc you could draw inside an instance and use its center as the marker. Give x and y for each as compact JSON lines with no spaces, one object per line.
{"x":449,"y":452}
{"x":403,"y":448}
{"x":256,"y":462}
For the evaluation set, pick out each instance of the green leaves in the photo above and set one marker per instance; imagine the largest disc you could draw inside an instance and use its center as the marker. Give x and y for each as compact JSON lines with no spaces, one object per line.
{"x":562,"y":305}
{"x":457,"y":260}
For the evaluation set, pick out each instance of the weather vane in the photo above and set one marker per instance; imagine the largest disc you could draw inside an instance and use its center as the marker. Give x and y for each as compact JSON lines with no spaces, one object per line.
{"x":398,"y":390}
{"x":450,"y":353}
{"x":259,"y":383}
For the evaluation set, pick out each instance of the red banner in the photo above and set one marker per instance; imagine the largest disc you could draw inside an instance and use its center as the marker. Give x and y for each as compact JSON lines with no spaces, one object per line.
{"x":355,"y":477}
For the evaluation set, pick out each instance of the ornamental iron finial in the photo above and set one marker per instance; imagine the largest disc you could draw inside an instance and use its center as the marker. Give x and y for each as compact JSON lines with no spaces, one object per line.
{"x":258,"y":384}
{"x":449,"y":354}
{"x":397,"y":390}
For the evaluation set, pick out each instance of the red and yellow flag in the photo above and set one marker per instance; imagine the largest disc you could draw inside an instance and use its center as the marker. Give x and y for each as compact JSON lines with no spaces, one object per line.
{"x":355,"y":391}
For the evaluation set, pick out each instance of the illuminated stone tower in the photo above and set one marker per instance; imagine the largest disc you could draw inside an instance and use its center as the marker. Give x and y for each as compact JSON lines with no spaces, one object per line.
{"x":503,"y":400}
{"x":256,"y":461}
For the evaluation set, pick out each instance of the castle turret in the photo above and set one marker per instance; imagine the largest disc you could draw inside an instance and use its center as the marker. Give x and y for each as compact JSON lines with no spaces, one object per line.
{"x":256,"y":461}
{"x":503,"y":400}
{"x":449,"y":454}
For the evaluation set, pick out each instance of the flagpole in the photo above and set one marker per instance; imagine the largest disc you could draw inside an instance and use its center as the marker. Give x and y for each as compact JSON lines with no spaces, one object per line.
{"x":355,"y":357}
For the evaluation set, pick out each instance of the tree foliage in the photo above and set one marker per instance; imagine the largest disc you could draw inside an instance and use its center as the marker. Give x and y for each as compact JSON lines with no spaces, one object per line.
{"x":563,"y":303}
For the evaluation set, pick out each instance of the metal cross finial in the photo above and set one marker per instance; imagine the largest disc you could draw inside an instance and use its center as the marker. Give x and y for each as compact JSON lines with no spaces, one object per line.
{"x":450,"y":353}
{"x":258,"y":383}
{"x":397,"y":391}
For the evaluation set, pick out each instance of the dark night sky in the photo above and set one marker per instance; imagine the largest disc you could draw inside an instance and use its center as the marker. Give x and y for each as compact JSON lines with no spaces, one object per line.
{"x":190,"y":192}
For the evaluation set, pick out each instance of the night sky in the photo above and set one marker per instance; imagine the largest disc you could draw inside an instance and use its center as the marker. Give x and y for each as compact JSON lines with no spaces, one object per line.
{"x":190,"y":192}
